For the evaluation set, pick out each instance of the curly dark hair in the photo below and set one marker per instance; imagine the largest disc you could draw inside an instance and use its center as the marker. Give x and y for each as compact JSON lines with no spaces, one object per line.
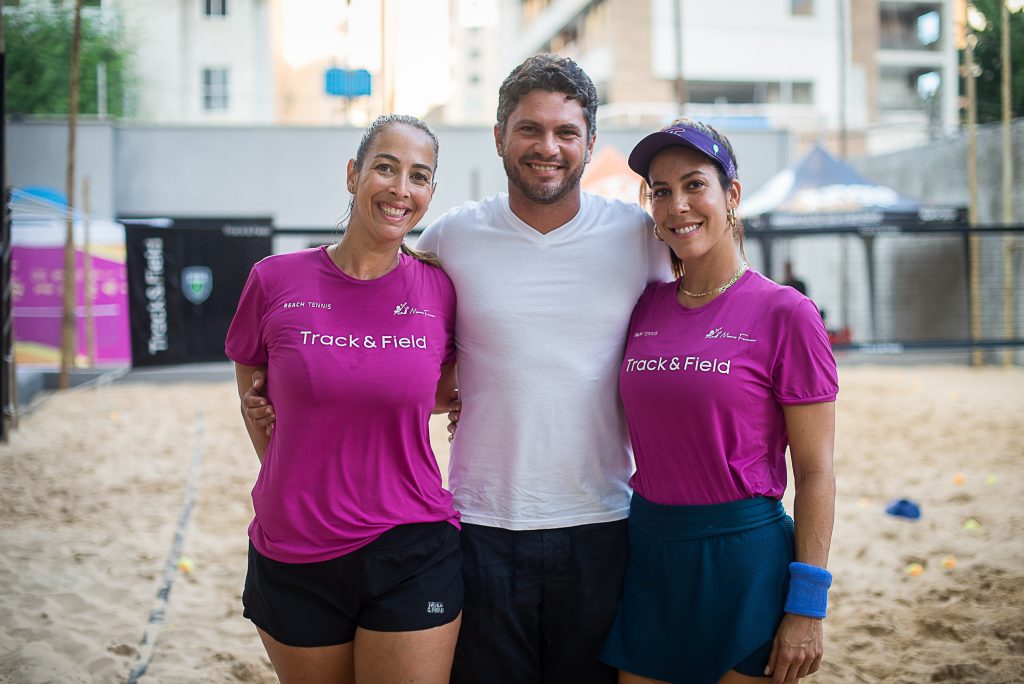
{"x":554,"y":74}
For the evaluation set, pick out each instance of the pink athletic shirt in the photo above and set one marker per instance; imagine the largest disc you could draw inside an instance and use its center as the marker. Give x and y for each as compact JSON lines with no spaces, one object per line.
{"x":352,"y":372}
{"x":703,"y":389}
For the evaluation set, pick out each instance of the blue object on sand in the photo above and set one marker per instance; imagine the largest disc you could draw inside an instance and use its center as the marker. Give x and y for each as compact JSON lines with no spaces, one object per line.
{"x":904,"y":508}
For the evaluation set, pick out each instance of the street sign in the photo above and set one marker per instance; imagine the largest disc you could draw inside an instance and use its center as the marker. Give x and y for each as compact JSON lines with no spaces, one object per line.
{"x":347,"y":82}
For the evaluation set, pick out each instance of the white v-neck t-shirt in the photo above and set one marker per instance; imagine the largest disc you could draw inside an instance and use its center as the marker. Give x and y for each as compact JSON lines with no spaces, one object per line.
{"x":541,"y":324}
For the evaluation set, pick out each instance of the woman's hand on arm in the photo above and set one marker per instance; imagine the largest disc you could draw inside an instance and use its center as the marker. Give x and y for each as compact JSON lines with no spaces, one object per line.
{"x":799,"y":641}
{"x":447,"y":398}
{"x":257,"y":414}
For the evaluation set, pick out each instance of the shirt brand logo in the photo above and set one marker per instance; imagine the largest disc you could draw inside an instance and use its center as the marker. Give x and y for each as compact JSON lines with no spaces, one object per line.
{"x":404,"y":309}
{"x":688,"y":364}
{"x":435,"y":607}
{"x":721,"y":334}
{"x":645,"y":333}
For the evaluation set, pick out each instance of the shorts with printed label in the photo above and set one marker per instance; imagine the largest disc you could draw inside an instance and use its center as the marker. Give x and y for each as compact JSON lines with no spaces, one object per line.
{"x":408,"y":579}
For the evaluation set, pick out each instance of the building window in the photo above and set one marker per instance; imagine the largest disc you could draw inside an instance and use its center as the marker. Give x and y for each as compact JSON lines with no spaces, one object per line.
{"x":907,"y":89}
{"x":215,"y":8}
{"x":750,"y":92}
{"x":910,"y":26}
{"x":928,"y":84}
{"x":929,"y":28}
{"x":587,"y":30}
{"x":532,"y":9}
{"x":215,"y":90}
{"x":803,"y":94}
{"x":801,"y":8}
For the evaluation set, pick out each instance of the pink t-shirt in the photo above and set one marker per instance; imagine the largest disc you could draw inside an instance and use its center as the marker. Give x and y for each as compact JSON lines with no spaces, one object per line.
{"x":352,"y":371}
{"x":703,"y":389}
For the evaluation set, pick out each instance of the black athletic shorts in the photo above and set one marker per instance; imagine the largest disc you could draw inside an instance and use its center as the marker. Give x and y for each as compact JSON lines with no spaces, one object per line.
{"x":408,"y":579}
{"x":539,"y":603}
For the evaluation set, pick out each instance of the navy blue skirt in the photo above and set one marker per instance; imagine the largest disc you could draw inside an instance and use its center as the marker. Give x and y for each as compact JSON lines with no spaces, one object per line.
{"x":704,"y":589}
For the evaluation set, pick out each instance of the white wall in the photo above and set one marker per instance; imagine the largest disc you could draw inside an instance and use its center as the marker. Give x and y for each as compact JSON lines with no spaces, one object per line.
{"x":173,"y":42}
{"x":293,"y":174}
{"x":751,"y":40}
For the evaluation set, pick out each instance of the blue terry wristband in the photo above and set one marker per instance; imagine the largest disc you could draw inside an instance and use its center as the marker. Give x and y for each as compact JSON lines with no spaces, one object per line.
{"x":808,"y":590}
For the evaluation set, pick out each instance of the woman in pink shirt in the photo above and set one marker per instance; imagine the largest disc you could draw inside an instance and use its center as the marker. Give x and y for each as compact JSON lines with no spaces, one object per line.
{"x":354,"y":563}
{"x":723,"y":371}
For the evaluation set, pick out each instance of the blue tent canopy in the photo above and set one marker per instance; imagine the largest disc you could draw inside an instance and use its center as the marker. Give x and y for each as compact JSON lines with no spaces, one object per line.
{"x":823,"y":194}
{"x":820,"y":191}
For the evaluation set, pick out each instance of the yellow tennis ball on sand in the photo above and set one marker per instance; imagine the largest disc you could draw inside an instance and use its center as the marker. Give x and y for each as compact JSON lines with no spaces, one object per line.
{"x":949,"y":562}
{"x":186,"y":565}
{"x":915,"y":569}
{"x":959,"y":479}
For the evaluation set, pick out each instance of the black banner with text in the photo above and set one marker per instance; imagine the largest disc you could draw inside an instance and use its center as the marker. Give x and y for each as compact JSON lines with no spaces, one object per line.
{"x":184,"y":280}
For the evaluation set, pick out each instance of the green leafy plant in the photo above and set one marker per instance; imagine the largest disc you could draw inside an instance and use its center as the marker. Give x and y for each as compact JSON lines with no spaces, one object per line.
{"x":988,"y":58}
{"x":38,"y":46}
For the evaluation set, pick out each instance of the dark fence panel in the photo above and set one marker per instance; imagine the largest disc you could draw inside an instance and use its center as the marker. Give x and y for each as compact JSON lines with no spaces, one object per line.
{"x":184,"y":280}
{"x":888,"y":289}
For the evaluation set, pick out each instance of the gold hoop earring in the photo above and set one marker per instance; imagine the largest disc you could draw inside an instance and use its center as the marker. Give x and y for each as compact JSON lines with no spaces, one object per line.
{"x":657,"y":235}
{"x":730,"y":216}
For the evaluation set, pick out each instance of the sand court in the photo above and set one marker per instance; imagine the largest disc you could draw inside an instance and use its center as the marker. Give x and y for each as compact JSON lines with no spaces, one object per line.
{"x":93,"y":483}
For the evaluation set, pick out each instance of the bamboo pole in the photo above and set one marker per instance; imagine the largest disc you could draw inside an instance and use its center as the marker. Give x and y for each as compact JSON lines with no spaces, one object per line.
{"x":68,"y":331}
{"x":387,"y":81}
{"x":8,"y":375}
{"x":677,"y":27}
{"x":1007,"y":183}
{"x":972,"y":183}
{"x":88,"y":286}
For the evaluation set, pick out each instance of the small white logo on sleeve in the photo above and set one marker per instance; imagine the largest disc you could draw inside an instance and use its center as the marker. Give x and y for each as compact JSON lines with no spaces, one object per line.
{"x":435,"y":607}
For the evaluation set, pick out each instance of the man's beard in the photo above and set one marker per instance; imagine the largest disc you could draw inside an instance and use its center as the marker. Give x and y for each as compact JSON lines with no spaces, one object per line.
{"x":541,"y":193}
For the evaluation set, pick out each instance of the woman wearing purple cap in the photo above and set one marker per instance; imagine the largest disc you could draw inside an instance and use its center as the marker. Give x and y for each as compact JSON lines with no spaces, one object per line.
{"x":723,"y":370}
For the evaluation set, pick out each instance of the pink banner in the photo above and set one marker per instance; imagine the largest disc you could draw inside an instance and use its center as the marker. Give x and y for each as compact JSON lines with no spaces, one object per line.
{"x":38,"y":281}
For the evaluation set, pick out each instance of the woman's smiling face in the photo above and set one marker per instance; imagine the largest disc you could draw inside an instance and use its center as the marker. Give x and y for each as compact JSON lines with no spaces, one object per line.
{"x":393,"y":189}
{"x":689,"y":204}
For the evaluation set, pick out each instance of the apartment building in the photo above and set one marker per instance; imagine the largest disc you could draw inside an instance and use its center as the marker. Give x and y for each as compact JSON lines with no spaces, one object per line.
{"x":193,"y":61}
{"x":868,"y":75}
{"x":475,"y":63}
{"x":201,"y":61}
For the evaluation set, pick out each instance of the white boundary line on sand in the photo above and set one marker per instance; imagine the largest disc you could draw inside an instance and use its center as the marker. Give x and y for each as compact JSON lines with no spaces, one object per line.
{"x":159,"y":610}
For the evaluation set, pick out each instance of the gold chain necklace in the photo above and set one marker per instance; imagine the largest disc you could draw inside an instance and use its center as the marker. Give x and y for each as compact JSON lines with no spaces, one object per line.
{"x":717,"y":290}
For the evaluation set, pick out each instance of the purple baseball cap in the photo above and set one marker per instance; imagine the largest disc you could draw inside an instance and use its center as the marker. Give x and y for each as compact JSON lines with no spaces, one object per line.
{"x":682,"y":135}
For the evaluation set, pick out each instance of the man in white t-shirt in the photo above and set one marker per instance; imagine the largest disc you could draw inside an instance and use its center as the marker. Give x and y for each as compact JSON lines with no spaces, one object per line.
{"x":546,"y":277}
